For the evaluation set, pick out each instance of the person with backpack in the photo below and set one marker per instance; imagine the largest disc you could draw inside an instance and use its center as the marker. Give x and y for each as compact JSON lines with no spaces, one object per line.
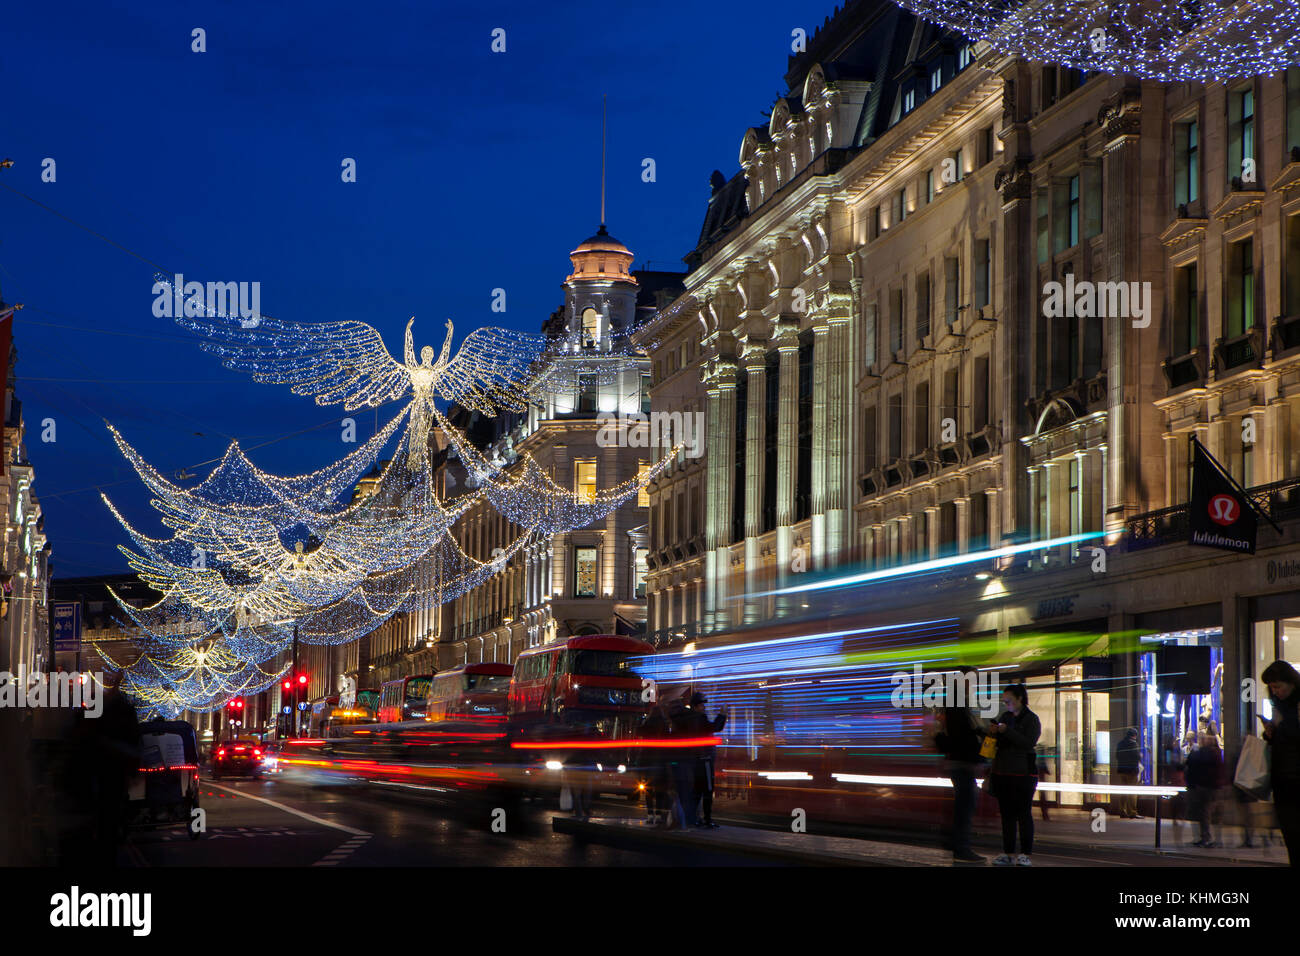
{"x":1014,"y":773}
{"x":959,"y":741}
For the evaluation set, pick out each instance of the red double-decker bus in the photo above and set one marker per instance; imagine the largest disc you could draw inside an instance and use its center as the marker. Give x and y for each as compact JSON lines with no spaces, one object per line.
{"x":471,"y":692}
{"x":588,"y":682}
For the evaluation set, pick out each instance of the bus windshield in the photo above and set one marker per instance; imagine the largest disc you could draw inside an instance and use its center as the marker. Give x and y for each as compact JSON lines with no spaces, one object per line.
{"x":603,"y":663}
{"x":418,"y":689}
{"x":488,"y":683}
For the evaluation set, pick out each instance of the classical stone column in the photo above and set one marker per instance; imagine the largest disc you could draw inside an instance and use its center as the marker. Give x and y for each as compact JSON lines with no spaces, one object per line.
{"x":820,"y":439}
{"x":755,"y":361}
{"x":787,"y":451}
{"x":839,"y":429}
{"x":721,"y":389}
{"x":962,"y":506}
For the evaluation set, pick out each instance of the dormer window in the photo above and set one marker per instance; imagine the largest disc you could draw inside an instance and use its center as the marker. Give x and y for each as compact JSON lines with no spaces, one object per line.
{"x":909,"y":98}
{"x":964,"y":56}
{"x":936,"y":77}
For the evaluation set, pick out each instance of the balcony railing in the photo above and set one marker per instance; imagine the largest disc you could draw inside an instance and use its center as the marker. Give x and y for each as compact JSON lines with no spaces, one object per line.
{"x":1280,"y":500}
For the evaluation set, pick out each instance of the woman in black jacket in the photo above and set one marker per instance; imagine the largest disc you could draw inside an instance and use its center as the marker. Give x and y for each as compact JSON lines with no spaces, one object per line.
{"x":1014,"y":773}
{"x":1283,"y":736}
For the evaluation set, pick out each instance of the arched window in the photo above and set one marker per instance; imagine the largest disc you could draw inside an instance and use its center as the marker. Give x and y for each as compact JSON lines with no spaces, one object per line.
{"x":590,"y":326}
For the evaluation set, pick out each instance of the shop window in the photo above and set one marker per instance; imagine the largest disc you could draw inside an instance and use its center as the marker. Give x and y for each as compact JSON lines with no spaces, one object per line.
{"x":584,"y":572}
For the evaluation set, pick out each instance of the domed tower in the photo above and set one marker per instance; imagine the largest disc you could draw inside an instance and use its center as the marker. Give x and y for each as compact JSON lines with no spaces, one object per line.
{"x":600,"y":293}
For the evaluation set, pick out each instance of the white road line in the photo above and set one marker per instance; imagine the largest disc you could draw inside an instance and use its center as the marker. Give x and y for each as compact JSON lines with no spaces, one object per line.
{"x":297,"y":813}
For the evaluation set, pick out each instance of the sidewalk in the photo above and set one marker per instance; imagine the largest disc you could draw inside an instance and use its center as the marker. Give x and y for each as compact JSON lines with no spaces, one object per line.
{"x":1130,"y":839}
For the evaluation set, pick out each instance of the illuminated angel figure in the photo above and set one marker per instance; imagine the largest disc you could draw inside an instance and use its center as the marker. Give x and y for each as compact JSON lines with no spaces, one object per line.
{"x":347,"y":362}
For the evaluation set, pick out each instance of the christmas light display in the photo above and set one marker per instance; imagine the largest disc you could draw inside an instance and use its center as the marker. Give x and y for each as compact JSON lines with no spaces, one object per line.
{"x":1167,"y":40}
{"x":256,"y":561}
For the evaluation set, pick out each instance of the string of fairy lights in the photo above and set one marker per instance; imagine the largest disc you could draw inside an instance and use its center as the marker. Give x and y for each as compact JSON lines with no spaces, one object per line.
{"x":1167,"y":40}
{"x":255,"y":560}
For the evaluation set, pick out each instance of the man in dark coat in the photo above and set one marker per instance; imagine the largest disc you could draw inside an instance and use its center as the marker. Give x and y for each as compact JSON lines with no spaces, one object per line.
{"x":699,"y":726}
{"x":959,"y":741}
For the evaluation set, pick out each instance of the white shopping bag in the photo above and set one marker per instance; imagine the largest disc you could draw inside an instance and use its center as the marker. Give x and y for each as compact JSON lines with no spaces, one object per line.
{"x":566,"y":798}
{"x":1252,"y":769}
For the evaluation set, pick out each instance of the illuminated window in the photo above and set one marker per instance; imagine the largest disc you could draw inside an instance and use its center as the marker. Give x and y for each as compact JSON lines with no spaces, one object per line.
{"x":643,"y":496}
{"x":584,"y":572}
{"x":639,"y":571}
{"x":590,"y":327}
{"x":585,"y":478}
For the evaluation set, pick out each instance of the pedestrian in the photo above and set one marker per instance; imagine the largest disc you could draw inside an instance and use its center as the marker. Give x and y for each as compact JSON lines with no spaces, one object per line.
{"x":701,"y":726}
{"x":1015,"y":764}
{"x":1204,"y":779}
{"x":655,"y":728}
{"x":1283,"y":736}
{"x":682,"y":764}
{"x":959,"y":741}
{"x":1128,"y":769}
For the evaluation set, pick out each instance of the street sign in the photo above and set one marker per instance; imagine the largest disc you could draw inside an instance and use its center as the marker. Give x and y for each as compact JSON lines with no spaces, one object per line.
{"x":67,"y":627}
{"x":288,"y":710}
{"x":302,"y":706}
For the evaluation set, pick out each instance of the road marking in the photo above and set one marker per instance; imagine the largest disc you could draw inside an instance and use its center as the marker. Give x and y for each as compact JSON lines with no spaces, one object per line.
{"x":298,"y":813}
{"x":342,"y":852}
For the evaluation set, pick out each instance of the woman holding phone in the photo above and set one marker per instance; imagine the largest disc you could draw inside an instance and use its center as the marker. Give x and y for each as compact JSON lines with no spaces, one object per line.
{"x":1014,"y":773}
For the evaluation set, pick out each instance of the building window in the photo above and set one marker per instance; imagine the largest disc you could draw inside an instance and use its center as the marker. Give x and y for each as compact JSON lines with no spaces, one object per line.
{"x":1072,"y":212}
{"x":869,"y":330}
{"x":639,"y":570}
{"x":922,"y":305}
{"x":921,"y":419}
{"x":1291,"y":263}
{"x":909,"y":99}
{"x":645,"y":394}
{"x":936,"y":78}
{"x":1241,"y":135}
{"x":870,"y":439}
{"x":929,"y":186}
{"x":1187,"y":163}
{"x":964,"y":57}
{"x":1043,"y":220}
{"x":895,"y":322}
{"x":986,"y":145}
{"x":584,"y":572}
{"x":951,"y":289}
{"x":586,"y":392}
{"x":585,"y":479}
{"x":1076,"y":502}
{"x":895,"y":427}
{"x":950,"y":408}
{"x":959,"y":165}
{"x":983,"y":273}
{"x":643,"y":496}
{"x":1186,"y":311}
{"x":590,"y":327}
{"x":875,"y":222}
{"x":1292,"y":109}
{"x":980,"y":394}
{"x":900,"y":206}
{"x":1241,"y":288}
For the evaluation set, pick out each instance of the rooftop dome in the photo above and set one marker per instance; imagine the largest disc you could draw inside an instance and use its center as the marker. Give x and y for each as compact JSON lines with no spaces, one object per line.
{"x":601,"y":258}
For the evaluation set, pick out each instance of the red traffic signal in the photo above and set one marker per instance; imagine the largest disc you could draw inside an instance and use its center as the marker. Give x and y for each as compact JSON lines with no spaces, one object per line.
{"x":288,"y":685}
{"x":302,"y":678}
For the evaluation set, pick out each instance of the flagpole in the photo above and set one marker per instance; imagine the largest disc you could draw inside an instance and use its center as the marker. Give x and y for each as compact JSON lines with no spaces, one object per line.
{"x":1223,"y":472}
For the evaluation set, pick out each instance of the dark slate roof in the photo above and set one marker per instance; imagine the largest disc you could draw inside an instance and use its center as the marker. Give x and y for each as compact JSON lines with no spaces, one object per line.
{"x":727,"y":209}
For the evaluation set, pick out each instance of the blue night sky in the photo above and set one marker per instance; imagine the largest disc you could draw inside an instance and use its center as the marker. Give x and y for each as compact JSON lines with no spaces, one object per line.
{"x":475,"y":171}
